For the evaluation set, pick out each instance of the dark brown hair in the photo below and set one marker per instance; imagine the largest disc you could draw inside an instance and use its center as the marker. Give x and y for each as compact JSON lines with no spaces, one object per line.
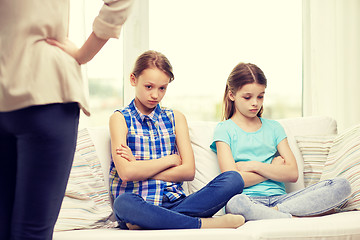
{"x":242,"y":74}
{"x":153,"y":59}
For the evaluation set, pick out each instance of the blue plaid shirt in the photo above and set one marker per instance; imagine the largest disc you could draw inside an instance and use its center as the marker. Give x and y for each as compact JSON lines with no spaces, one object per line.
{"x":149,"y":137}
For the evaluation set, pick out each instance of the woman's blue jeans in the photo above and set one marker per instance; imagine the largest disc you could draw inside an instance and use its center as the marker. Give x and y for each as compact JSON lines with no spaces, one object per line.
{"x":37,"y":146}
{"x":314,"y":200}
{"x":184,"y":213}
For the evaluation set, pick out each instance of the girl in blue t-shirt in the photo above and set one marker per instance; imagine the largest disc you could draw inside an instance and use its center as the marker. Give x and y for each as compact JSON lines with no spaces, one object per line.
{"x":259,"y":150}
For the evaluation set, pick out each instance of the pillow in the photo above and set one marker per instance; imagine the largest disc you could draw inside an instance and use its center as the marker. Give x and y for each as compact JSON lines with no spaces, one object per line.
{"x":314,"y":150}
{"x":344,"y":161}
{"x":86,"y":203}
{"x":206,"y":162}
{"x":100,"y":137}
{"x":315,"y":125}
{"x":207,"y":166}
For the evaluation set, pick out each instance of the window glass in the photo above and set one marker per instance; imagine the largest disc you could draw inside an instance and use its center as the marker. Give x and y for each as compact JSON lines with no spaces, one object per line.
{"x":205,"y":39}
{"x":104,"y":72}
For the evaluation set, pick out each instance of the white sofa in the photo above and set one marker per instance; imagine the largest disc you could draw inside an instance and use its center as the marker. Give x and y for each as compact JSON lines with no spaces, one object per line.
{"x":342,"y":225}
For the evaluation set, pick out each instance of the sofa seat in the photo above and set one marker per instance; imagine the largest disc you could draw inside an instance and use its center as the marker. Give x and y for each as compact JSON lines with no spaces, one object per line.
{"x":341,"y":225}
{"x":345,"y":225}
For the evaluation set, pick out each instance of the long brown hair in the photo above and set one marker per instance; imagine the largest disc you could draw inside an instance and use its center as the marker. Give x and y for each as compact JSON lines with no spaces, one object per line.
{"x":153,"y":59}
{"x":242,"y":74}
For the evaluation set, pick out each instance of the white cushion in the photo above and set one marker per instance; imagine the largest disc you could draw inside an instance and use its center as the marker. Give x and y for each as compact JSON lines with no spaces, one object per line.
{"x":101,"y":139}
{"x":336,"y":226}
{"x":207,"y":166}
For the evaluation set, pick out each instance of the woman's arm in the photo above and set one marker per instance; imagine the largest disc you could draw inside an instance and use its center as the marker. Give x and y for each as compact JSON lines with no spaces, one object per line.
{"x":134,"y":170}
{"x":83,"y":55}
{"x":185,"y":171}
{"x":227,"y":163}
{"x":286,"y":172}
{"x":107,"y":24}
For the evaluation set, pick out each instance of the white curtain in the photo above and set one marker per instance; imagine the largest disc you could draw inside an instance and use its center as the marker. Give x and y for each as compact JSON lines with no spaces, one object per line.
{"x":331,"y":61}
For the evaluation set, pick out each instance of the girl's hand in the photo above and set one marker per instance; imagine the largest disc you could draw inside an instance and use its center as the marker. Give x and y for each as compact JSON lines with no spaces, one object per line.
{"x":125,"y":152}
{"x":67,"y":46}
{"x":279,"y":160}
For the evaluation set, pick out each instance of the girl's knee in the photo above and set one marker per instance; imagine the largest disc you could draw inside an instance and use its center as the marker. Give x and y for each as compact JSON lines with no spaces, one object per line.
{"x":123,"y":198}
{"x":126,"y":208}
{"x":235,"y":180}
{"x":124,"y":202}
{"x":238,"y":203}
{"x":240,"y":199}
{"x":342,"y":186}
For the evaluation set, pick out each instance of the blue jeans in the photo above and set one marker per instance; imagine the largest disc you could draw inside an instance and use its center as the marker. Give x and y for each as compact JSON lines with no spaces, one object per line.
{"x":314,"y":200}
{"x":184,"y":213}
{"x":37,"y":146}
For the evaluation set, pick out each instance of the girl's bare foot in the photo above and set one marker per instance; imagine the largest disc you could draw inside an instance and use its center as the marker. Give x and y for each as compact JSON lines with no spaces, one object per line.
{"x":275,"y":208}
{"x":133,"y":227}
{"x":225,"y":221}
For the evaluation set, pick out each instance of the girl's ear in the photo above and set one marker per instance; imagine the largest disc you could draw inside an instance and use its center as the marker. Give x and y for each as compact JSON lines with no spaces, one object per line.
{"x":231,"y":96}
{"x":133,"y":80}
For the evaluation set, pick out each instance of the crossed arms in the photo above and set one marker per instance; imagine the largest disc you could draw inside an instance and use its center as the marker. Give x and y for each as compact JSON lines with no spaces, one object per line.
{"x":282,"y":168}
{"x":171,"y":168}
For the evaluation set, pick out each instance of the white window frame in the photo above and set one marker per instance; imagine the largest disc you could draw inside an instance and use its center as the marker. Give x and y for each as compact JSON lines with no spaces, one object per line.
{"x":136,"y":41}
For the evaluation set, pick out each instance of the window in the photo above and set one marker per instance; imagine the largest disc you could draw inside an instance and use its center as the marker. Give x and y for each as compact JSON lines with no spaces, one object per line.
{"x":205,"y":39}
{"x":104,"y":73}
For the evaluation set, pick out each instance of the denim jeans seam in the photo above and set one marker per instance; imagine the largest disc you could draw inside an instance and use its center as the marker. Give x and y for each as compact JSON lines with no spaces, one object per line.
{"x":182,"y":214}
{"x":326,"y":183}
{"x":214,"y":207}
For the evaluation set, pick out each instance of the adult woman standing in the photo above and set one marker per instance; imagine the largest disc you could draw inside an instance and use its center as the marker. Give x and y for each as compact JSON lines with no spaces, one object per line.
{"x":41,"y":92}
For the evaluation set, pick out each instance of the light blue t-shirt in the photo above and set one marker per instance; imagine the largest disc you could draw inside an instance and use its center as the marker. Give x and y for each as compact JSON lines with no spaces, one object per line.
{"x":260,"y":145}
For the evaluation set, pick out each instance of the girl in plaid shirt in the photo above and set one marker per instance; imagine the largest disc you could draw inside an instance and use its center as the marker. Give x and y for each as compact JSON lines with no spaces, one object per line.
{"x":152,"y":156}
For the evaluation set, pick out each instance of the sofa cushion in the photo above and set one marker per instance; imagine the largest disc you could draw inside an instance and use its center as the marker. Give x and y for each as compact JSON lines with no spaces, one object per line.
{"x":344,"y":161}
{"x":305,"y":126}
{"x":201,"y":135}
{"x":343,"y":226}
{"x":86,"y":203}
{"x":314,"y":150}
{"x":207,"y":166}
{"x":101,"y":140}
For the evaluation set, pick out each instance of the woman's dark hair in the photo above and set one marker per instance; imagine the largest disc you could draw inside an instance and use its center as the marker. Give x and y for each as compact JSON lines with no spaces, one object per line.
{"x":242,"y":74}
{"x":153,"y":59}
